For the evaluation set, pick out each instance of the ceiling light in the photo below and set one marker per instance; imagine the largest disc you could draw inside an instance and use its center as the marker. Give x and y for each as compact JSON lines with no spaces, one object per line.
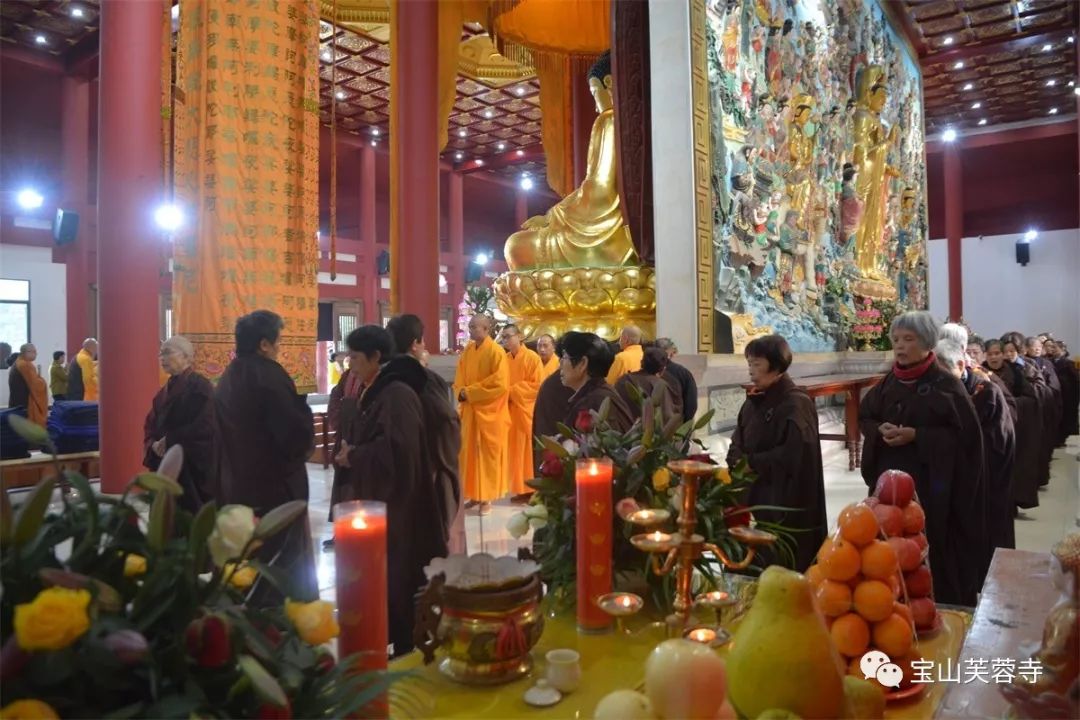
{"x":1051,"y":82}
{"x":375,"y":131}
{"x":29,"y":199}
{"x":174,"y":12}
{"x":76,"y":12}
{"x":520,"y":91}
{"x":326,"y":54}
{"x":521,"y":153}
{"x":374,"y":143}
{"x":168,"y":217}
{"x":479,"y":162}
{"x":1053,"y":111}
{"x":459,"y":156}
{"x":947,"y":41}
{"x":501,"y":146}
{"x":1072,"y":83}
{"x":40,"y":40}
{"x":949,"y":135}
{"x":462,"y":132}
{"x":526,"y":182}
{"x":959,"y":65}
{"x":1047,"y":47}
{"x":481,"y":258}
{"x":976,"y":105}
{"x":969,"y":86}
{"x":1076,"y":91}
{"x":489,"y":114}
{"x":1072,"y":39}
{"x":1031,"y":235}
{"x":982,"y":121}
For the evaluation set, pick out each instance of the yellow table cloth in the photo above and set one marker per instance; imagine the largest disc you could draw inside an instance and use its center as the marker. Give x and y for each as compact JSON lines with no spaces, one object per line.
{"x":608,"y":662}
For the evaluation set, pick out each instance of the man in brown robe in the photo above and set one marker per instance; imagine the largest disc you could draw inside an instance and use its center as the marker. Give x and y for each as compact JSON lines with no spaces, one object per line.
{"x":681,"y":380}
{"x":388,"y":461}
{"x":647,"y":380}
{"x":183,"y":414}
{"x":777,"y":434}
{"x":919,"y":419}
{"x":266,"y":436}
{"x":552,"y":403}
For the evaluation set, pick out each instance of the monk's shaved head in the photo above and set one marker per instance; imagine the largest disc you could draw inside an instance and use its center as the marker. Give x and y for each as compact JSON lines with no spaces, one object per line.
{"x":479,"y":328}
{"x":631,"y":335}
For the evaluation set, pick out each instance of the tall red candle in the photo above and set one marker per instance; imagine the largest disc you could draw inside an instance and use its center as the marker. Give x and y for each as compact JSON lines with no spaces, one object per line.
{"x":360,"y":561}
{"x":594,"y":521}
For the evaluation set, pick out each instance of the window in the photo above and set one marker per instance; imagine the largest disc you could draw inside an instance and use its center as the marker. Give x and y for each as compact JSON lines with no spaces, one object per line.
{"x":15,"y":312}
{"x":346,"y":319}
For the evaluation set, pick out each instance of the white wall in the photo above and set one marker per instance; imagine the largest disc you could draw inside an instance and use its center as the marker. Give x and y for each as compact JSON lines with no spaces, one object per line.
{"x":48,"y":302}
{"x":1001,"y":295}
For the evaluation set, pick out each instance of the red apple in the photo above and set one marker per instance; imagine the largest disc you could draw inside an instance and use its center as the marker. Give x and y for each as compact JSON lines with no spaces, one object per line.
{"x":914,"y":518}
{"x":924,"y":611}
{"x":895,"y":487}
{"x":871,"y":502}
{"x":920,"y":540}
{"x":919,"y":583}
{"x":907,"y":553}
{"x":890,"y":518}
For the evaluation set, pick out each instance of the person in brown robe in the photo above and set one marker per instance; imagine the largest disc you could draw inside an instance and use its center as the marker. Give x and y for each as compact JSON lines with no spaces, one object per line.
{"x":552,"y":404}
{"x":387,"y":459}
{"x":266,"y":435}
{"x":999,"y":441}
{"x":1034,"y":355}
{"x":976,"y":356}
{"x":680,"y":379}
{"x":341,"y":411}
{"x":444,"y":431}
{"x":26,"y":388}
{"x":647,"y":380}
{"x":585,"y":362}
{"x":920,"y":419}
{"x":1069,"y":379}
{"x":1013,"y":346}
{"x":777,"y":434}
{"x":1028,"y":425}
{"x":182,"y":414}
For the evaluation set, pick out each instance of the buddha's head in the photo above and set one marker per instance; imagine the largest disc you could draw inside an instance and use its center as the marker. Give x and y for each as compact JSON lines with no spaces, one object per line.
{"x":870,"y":87}
{"x":600,"y":82}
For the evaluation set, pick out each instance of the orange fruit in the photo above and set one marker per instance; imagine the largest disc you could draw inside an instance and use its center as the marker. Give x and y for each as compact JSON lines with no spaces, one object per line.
{"x":914,"y":519}
{"x":851,"y":635}
{"x":879,"y":560}
{"x":815,"y":576}
{"x":833,"y":598}
{"x":892,"y":636}
{"x":854,"y":667}
{"x":894,"y":583}
{"x":838,"y":559}
{"x":858,"y":524}
{"x":903,"y":611}
{"x":873,"y":600}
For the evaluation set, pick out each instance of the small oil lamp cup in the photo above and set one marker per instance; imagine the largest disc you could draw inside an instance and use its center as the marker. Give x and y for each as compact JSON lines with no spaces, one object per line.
{"x":648,"y":518}
{"x":751,"y":536}
{"x":718,"y":600}
{"x":655,"y":542}
{"x":713,"y":637}
{"x":620,"y":605}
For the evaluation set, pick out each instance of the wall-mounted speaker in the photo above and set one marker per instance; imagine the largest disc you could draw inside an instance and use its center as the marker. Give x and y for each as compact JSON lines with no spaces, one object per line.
{"x":1023,"y":252}
{"x":382,"y":262}
{"x":65,"y":227}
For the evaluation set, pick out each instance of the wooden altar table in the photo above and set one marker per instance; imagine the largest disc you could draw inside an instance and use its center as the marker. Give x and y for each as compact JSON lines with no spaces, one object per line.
{"x":851,"y":387}
{"x":27,"y":472}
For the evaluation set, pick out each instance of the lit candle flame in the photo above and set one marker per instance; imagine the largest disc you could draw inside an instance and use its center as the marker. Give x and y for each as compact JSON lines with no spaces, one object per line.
{"x":358,"y":523}
{"x":594,"y":469}
{"x":658,"y":536}
{"x":702,"y":635}
{"x":625,"y":601}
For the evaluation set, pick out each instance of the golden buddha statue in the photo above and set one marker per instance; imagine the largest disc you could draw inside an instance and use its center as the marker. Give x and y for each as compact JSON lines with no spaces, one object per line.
{"x":586,"y":228}
{"x":801,"y":156}
{"x":575,"y":267}
{"x":870,"y":160}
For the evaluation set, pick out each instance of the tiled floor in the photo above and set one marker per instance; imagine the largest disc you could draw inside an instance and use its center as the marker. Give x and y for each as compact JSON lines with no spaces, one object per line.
{"x":1037,"y":530}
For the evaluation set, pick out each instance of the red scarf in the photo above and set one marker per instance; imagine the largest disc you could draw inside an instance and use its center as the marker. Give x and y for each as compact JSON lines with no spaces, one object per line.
{"x":913,"y":372}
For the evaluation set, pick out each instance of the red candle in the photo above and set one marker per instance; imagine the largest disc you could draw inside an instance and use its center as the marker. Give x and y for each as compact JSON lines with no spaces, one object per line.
{"x":360,"y":561}
{"x":594,"y":520}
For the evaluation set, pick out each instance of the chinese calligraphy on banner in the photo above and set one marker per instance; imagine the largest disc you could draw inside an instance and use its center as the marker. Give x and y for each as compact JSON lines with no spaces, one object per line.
{"x":247,"y":153}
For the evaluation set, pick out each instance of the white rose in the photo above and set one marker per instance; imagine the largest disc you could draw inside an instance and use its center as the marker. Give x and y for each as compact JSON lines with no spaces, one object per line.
{"x":537,"y":522}
{"x":570,"y":446}
{"x":538,"y":512}
{"x":233,"y":528}
{"x":518,"y":525}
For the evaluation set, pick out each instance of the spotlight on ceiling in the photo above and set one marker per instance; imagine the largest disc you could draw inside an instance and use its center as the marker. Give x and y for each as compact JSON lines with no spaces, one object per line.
{"x":376,"y":132}
{"x":1031,"y":235}
{"x":479,"y":162}
{"x":969,"y":86}
{"x":949,"y":135}
{"x":1072,"y":38}
{"x":500,"y":146}
{"x":521,"y":153}
{"x":459,"y":156}
{"x":1053,"y":111}
{"x":462,"y":132}
{"x":1072,"y":83}
{"x":481,"y":258}
{"x":168,"y":217}
{"x":1047,"y":47}
{"x":489,"y":114}
{"x":948,"y":40}
{"x":40,"y":40}
{"x":1051,"y":82}
{"x":374,"y":143}
{"x":526,"y":182}
{"x":519,"y":91}
{"x":976,"y":105}
{"x":959,"y":65}
{"x":339,"y":95}
{"x":29,"y":199}
{"x":76,"y":12}
{"x":982,"y":121}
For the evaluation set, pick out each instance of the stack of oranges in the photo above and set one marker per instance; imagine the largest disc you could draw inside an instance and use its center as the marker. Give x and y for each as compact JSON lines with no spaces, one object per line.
{"x":857,"y":588}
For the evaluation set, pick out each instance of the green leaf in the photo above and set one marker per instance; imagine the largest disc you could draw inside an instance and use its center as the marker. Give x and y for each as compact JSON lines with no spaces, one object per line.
{"x":554,"y":446}
{"x":128,"y":711}
{"x":278,"y":519}
{"x":648,"y":427}
{"x":276,"y":577}
{"x":201,"y":528}
{"x":635,"y":393}
{"x":34,"y":435}
{"x":266,"y":687}
{"x":159,"y":528}
{"x":92,"y":535}
{"x":565,"y":431}
{"x":32,"y":512}
{"x":704,"y":419}
{"x":605,"y":410}
{"x":171,"y":463}
{"x":157,"y":483}
{"x":671,"y":426}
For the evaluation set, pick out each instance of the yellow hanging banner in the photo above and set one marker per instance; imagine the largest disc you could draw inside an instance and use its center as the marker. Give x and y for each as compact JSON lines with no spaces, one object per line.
{"x":247,"y":176}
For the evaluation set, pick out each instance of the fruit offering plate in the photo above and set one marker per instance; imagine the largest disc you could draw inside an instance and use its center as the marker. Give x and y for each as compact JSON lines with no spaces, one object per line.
{"x":608,"y":662}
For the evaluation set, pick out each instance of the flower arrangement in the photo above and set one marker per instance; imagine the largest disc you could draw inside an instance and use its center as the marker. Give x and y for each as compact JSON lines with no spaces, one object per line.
{"x":131,"y":607}
{"x":641,"y":480}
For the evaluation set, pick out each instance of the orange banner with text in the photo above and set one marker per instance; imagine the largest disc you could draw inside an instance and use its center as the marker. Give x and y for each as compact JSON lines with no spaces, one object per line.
{"x":246,"y":176}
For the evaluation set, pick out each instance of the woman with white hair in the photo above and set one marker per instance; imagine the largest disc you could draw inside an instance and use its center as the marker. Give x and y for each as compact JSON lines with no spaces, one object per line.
{"x":999,"y":439}
{"x":183,"y":414}
{"x":920,"y":420}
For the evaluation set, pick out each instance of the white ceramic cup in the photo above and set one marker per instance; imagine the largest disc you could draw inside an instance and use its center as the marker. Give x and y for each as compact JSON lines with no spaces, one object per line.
{"x":564,"y":669}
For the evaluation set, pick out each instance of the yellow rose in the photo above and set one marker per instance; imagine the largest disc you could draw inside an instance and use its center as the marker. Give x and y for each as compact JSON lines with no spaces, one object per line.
{"x":723,"y":475}
{"x":661,"y":479}
{"x":314,"y":621}
{"x":243,"y":578}
{"x":56,"y":618}
{"x":28,"y":710}
{"x":134,"y":565}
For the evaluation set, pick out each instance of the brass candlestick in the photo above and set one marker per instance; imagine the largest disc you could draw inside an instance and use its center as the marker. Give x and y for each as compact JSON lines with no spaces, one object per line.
{"x":686,"y":546}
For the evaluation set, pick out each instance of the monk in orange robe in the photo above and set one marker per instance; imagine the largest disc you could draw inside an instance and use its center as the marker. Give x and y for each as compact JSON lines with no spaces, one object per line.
{"x":525,"y":378}
{"x":629,"y":359}
{"x":549,"y":363}
{"x":481,"y":386}
{"x":28,"y":389}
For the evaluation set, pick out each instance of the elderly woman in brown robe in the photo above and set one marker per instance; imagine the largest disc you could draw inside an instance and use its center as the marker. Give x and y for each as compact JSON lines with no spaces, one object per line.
{"x":583,"y":367}
{"x":777,"y":434}
{"x":1013,"y":347}
{"x":919,"y":419}
{"x":386,"y":458}
{"x":183,"y":414}
{"x":650,"y":383}
{"x":1069,"y":379}
{"x":1029,"y":425}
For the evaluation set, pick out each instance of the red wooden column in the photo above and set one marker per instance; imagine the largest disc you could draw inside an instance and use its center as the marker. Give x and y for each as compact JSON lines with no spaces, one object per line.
{"x":414,"y":170}
{"x":455,"y":233}
{"x":75,"y":141}
{"x":954,"y":228}
{"x":372,"y":279}
{"x":129,"y":244}
{"x":584,"y":117}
